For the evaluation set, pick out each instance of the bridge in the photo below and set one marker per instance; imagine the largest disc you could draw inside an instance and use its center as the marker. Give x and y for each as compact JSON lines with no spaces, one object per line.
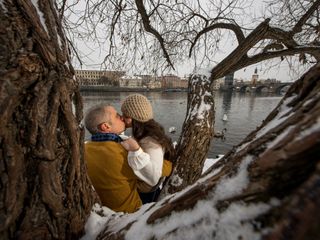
{"x":273,"y":87}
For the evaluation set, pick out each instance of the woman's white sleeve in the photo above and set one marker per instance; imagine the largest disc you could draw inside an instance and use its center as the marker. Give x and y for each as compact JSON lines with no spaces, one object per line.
{"x":138,"y":159}
{"x":147,"y":162}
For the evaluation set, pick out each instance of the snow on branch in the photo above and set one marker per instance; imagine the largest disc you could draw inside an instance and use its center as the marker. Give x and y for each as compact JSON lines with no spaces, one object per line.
{"x":40,"y":15}
{"x":3,"y":6}
{"x":200,"y":110}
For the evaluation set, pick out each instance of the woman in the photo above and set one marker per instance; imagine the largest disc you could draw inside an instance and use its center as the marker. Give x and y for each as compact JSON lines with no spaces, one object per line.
{"x":149,"y":148}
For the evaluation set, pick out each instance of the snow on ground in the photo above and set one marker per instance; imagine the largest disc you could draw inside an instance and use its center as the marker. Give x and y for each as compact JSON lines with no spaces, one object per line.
{"x":96,"y":222}
{"x":209,"y":162}
{"x":232,"y":223}
{"x":203,"y":71}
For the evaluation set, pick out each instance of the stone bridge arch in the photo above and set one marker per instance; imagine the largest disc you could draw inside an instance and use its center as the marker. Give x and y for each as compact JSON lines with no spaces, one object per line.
{"x":243,"y":88}
{"x":261,"y":87}
{"x":281,"y":88}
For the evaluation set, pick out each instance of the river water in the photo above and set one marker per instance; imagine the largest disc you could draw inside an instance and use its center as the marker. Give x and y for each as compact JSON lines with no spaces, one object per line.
{"x":245,"y":111}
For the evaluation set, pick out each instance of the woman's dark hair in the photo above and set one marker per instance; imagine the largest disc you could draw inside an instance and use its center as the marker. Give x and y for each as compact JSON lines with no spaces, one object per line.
{"x":153,"y":129}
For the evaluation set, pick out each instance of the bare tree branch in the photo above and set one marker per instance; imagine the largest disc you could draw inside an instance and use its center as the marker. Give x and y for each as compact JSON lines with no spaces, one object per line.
{"x":150,"y":29}
{"x":233,"y":59}
{"x":305,"y":17}
{"x":233,"y":27}
{"x":248,"y":61}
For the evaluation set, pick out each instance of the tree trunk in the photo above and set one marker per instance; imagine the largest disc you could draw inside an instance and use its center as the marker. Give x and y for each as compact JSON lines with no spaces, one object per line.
{"x":197,"y":133}
{"x":198,"y":130}
{"x":267,"y":187}
{"x":45,"y":192}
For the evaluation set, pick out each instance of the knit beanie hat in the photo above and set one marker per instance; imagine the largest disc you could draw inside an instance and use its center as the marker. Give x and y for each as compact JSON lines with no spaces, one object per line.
{"x":137,"y":107}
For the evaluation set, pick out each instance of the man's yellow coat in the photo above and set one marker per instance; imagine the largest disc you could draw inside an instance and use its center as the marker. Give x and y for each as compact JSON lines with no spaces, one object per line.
{"x":111,"y":176}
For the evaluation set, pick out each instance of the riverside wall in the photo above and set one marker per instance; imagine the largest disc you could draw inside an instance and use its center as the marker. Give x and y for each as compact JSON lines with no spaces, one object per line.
{"x":122,"y":89}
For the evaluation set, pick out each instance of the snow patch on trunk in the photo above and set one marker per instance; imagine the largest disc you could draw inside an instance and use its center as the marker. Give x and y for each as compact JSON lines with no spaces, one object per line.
{"x":3,"y":6}
{"x":279,"y":138}
{"x":228,"y":187}
{"x":40,"y":14}
{"x":315,"y":128}
{"x":201,"y":111}
{"x":203,"y":71}
{"x":97,"y":220}
{"x":176,"y":180}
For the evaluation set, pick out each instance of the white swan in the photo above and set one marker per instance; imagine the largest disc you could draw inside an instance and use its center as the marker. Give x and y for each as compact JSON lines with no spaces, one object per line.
{"x":220,"y":134}
{"x":225,"y":117}
{"x":172,"y":130}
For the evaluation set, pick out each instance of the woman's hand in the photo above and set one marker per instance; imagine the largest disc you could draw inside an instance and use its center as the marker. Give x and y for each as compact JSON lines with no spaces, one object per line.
{"x":130,"y":144}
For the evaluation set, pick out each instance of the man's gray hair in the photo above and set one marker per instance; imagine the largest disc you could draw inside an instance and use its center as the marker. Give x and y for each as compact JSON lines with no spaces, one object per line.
{"x":95,"y":116}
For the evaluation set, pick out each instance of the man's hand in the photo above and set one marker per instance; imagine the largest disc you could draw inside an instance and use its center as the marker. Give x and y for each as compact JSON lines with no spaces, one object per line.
{"x":130,"y":144}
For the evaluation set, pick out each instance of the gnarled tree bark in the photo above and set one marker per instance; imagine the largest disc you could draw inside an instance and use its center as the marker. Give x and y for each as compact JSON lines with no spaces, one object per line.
{"x":45,"y":192}
{"x":197,"y":133}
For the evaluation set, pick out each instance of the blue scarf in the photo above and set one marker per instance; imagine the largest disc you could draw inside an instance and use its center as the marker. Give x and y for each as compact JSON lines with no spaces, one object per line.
{"x":102,"y":137}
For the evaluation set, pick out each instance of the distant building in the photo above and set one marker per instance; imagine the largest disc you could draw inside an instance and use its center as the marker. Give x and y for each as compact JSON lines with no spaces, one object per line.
{"x":150,"y":81}
{"x":271,"y":80}
{"x":218,"y":83}
{"x":120,"y":79}
{"x":173,"y":81}
{"x":255,"y":77}
{"x":131,"y":82}
{"x":228,"y":81}
{"x":97,"y":77}
{"x":154,"y":84}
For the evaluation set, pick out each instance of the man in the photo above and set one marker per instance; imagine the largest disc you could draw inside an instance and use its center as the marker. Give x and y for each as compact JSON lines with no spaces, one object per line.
{"x":108,"y":169}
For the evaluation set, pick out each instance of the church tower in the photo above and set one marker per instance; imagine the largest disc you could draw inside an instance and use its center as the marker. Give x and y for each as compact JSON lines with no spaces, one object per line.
{"x":255,"y":77}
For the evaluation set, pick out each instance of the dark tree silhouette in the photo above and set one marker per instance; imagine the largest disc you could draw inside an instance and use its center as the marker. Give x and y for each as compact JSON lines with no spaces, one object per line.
{"x":45,"y":192}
